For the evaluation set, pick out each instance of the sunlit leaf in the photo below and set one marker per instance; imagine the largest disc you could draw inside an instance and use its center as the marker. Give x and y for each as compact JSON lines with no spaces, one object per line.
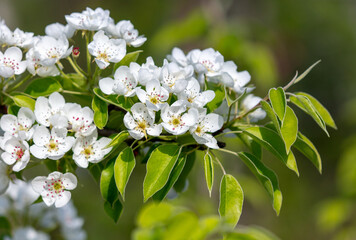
{"x":123,"y":168}
{"x":278,"y":101}
{"x":100,"y":109}
{"x":43,"y":87}
{"x":209,"y":171}
{"x":107,"y":183}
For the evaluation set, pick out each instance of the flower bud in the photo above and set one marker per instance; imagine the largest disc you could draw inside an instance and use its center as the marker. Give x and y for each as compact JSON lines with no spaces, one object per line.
{"x":75,"y":52}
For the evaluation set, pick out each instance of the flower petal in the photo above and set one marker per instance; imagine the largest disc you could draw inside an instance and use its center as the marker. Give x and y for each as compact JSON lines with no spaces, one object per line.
{"x":62,"y":199}
{"x":70,"y":181}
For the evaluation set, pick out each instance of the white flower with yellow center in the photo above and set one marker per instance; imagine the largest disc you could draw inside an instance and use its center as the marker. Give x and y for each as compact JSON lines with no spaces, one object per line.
{"x":53,"y":188}
{"x":80,"y":119}
{"x":20,"y":126}
{"x":173,"y":77}
{"x":207,"y":123}
{"x":125,"y":30}
{"x":175,"y":121}
{"x":141,"y":122}
{"x":89,"y":149}
{"x":194,"y":97}
{"x":154,"y":96}
{"x":52,"y":145}
{"x":124,"y":83}
{"x":106,"y":50}
{"x":17,"y":153}
{"x":10,"y":62}
{"x":240,"y":78}
{"x":34,"y":66}
{"x":89,"y":19}
{"x":21,"y":39}
{"x":50,"y":50}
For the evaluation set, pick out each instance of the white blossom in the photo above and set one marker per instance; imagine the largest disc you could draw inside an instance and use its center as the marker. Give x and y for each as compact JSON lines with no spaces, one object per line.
{"x":178,"y":57}
{"x":142,"y":122}
{"x":5,"y":33}
{"x":174,"y":78}
{"x":154,"y":96}
{"x":50,"y":50}
{"x":80,"y":119}
{"x":56,"y":30}
{"x":240,"y":78}
{"x":125,"y":30}
{"x":207,"y":123}
{"x":106,"y":50}
{"x":29,"y":233}
{"x":10,"y":62}
{"x":90,"y":149}
{"x":17,"y":153}
{"x":175,"y":121}
{"x":21,"y":39}
{"x":89,"y":19}
{"x":194,"y":97}
{"x":250,"y":102}
{"x":53,"y":188}
{"x":20,"y":126}
{"x":124,"y":83}
{"x":52,"y":145}
{"x":146,"y":72}
{"x":34,"y":66}
{"x":21,"y":194}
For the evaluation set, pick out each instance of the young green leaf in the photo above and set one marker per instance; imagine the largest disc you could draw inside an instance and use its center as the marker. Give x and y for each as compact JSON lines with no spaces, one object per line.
{"x":107,"y":183}
{"x":24,"y":101}
{"x":119,"y":101}
{"x":306,"y":72}
{"x":271,"y":114}
{"x":266,"y":176}
{"x":118,"y":139}
{"x":43,"y":87}
{"x":114,"y":211}
{"x":219,"y":97}
{"x":231,"y":200}
{"x":306,"y":147}
{"x":177,"y":170}
{"x":323,"y":112}
{"x":278,"y":101}
{"x":100,"y":112}
{"x":270,"y":140}
{"x":289,"y":128}
{"x":180,"y":184}
{"x":129,"y":57}
{"x":124,"y":165}
{"x":159,"y":167}
{"x":305,"y":104}
{"x":209,"y":171}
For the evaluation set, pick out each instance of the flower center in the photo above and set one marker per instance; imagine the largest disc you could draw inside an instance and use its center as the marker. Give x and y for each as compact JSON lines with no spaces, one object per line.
{"x":87,"y":151}
{"x":19,"y":154}
{"x":52,"y":145}
{"x":142,"y":126}
{"x":103,"y":56}
{"x":198,"y":130}
{"x":57,"y":186}
{"x":154,"y":99}
{"x":176,"y":121}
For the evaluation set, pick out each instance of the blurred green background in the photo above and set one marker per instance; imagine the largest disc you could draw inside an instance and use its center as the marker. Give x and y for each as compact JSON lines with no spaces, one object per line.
{"x":272,"y":40}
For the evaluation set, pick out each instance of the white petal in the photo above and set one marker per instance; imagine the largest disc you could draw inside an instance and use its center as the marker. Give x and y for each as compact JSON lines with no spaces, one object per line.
{"x":101,"y":64}
{"x":48,"y":200}
{"x":62,"y":199}
{"x":42,"y":111}
{"x":191,"y":117}
{"x":212,"y":122}
{"x":14,"y":53}
{"x":70,"y":181}
{"x":8,"y":158}
{"x":136,"y":134}
{"x":81,"y":160}
{"x":56,"y":101}
{"x":106,"y":85}
{"x":38,"y":184}
{"x":8,"y":123}
{"x":141,"y":94}
{"x":26,"y":117}
{"x":39,"y":152}
{"x":41,"y":136}
{"x":155,"y":130}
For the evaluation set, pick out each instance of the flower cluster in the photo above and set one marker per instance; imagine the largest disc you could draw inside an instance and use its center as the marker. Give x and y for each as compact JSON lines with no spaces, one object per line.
{"x":19,"y":199}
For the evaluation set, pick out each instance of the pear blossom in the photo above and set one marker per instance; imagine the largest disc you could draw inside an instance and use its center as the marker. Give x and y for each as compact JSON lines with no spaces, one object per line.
{"x":52,"y":145}
{"x":20,"y":126}
{"x":250,"y":102}
{"x":125,"y":30}
{"x":28,"y":233}
{"x":146,"y":72}
{"x":90,"y":149}
{"x":16,"y":152}
{"x":21,"y":194}
{"x":5,"y":33}
{"x":56,"y":30}
{"x":89,"y":19}
{"x":206,"y":124}
{"x":21,"y":39}
{"x":141,"y":122}
{"x":240,"y":78}
{"x":50,"y":50}
{"x":173,"y":77}
{"x":10,"y":62}
{"x":4,"y":178}
{"x":175,"y":121}
{"x":53,"y":188}
{"x":154,"y":96}
{"x":194,"y":97}
{"x":178,"y":57}
{"x":81,"y":119}
{"x":35,"y":67}
{"x":106,"y":50}
{"x":124,"y":83}
{"x":50,"y":111}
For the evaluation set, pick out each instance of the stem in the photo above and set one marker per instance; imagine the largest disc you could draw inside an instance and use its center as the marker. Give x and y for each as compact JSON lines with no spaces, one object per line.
{"x":218,"y":161}
{"x":60,"y":70}
{"x":88,"y":53}
{"x":225,"y":133}
{"x":133,"y":143}
{"x":76,"y":93}
{"x":76,"y":67}
{"x":19,"y":83}
{"x":138,"y":145}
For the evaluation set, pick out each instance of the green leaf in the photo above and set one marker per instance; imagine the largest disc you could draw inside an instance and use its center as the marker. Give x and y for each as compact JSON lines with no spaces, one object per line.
{"x":306,"y":147}
{"x":323,"y":112}
{"x":270,"y":140}
{"x":219,"y":97}
{"x":129,"y":57}
{"x":272,"y":115}
{"x":114,"y":211}
{"x":278,"y":101}
{"x":159,"y":167}
{"x":177,"y":170}
{"x":24,"y":101}
{"x":289,"y":128}
{"x":118,"y":139}
{"x":119,"y":101}
{"x":181,"y":227}
{"x":306,"y":72}
{"x":209,"y":171}
{"x":43,"y":87}
{"x":266,"y":176}
{"x":94,"y":168}
{"x":231,"y":200}
{"x":305,"y":104}
{"x":180,"y":184}
{"x":107,"y":182}
{"x":13,"y":110}
{"x":100,"y":109}
{"x":124,"y":165}
{"x":5,"y":226}
{"x":149,"y":218}
{"x":229,"y":101}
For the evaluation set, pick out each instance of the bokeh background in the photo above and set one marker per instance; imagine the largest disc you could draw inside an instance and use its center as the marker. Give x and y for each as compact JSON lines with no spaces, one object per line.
{"x":272,"y":40}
